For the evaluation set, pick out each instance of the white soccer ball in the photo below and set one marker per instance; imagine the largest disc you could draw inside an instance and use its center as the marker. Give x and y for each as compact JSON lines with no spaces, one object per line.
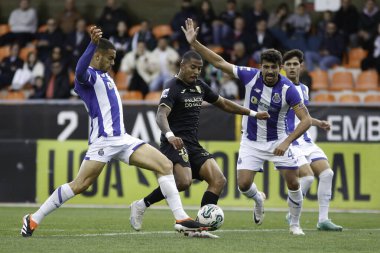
{"x":211,"y":215}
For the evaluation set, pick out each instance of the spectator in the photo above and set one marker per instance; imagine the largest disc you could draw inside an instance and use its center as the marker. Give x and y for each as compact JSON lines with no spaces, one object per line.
{"x":76,"y":42}
{"x":166,"y":59}
{"x":347,"y":20}
{"x":23,"y":25}
{"x":330,"y":51}
{"x":298,"y":27}
{"x":225,"y":22}
{"x":57,"y":83}
{"x":206,"y":18}
{"x":368,"y":20}
{"x":187,"y":11}
{"x":327,"y":16}
{"x":68,"y":18}
{"x":277,"y":19}
{"x":228,"y":87}
{"x":373,"y":47}
{"x":56,"y":55}
{"x":122,"y":43}
{"x":38,"y":91}
{"x":262,"y":40}
{"x":9,"y":66}
{"x":31,"y":69}
{"x":111,"y":15}
{"x":144,"y":34}
{"x":254,"y":14}
{"x":239,"y":33}
{"x":138,"y":65}
{"x":47,"y":40}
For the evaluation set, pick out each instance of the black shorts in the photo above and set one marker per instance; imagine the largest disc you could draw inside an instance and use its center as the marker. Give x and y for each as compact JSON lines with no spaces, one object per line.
{"x":193,"y":156}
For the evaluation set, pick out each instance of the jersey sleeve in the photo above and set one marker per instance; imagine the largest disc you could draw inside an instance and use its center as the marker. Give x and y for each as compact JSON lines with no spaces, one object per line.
{"x":292,"y":96}
{"x":83,"y":74}
{"x":244,"y":74}
{"x":168,"y":96}
{"x":210,"y":96}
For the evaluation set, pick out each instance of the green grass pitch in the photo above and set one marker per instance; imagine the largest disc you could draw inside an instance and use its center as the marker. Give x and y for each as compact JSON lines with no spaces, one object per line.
{"x":107,"y":230}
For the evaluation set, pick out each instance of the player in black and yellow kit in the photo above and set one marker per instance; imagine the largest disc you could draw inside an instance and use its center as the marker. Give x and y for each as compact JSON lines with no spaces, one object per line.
{"x":178,"y":118}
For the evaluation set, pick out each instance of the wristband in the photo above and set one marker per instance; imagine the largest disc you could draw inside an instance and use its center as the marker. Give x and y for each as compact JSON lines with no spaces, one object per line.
{"x":252,"y":113}
{"x":169,"y":134}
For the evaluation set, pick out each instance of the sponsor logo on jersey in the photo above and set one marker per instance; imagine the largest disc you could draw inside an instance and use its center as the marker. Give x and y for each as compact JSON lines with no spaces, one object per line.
{"x":183,"y":91}
{"x":257,"y":90}
{"x":198,"y":88}
{"x":165,"y":93}
{"x":101,"y":152}
{"x":276,"y":98}
{"x":254,"y":100}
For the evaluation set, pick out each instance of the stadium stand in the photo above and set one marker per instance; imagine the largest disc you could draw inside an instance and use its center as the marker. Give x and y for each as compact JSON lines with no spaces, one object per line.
{"x":134,"y":29}
{"x":342,"y":80}
{"x":372,"y":98}
{"x":324,"y":98}
{"x":367,"y":80}
{"x":4,"y":28}
{"x":162,"y":31}
{"x":320,"y":80}
{"x":133,"y":95}
{"x":349,"y":98}
{"x":153,"y":96}
{"x":355,"y":56}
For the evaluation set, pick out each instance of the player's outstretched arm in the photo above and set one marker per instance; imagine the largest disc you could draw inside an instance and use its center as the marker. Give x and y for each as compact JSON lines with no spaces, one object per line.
{"x":207,"y":54}
{"x":232,"y":107}
{"x":84,"y":61}
{"x":162,"y":122}
{"x":325,"y":125}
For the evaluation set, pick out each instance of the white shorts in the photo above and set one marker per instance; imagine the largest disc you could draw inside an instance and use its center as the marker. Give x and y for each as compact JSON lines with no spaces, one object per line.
{"x":120,"y":148}
{"x":252,"y":155}
{"x":308,"y":153}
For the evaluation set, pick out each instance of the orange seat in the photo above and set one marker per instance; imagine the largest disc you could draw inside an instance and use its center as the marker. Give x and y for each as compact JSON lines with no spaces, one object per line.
{"x":162,"y":30}
{"x":4,"y":28}
{"x":134,"y":29}
{"x":121,"y":80}
{"x":320,"y":80}
{"x":324,"y":98}
{"x":4,"y":52}
{"x":42,"y":28}
{"x":15,"y":95}
{"x":133,"y":95}
{"x":216,"y":49}
{"x":25,"y":51}
{"x":349,"y":98}
{"x":367,"y":80}
{"x":355,"y":57}
{"x":153,"y":96}
{"x":342,"y":81}
{"x":372,"y":98}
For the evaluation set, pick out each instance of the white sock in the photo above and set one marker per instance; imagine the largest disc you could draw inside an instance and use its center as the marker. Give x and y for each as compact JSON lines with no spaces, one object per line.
{"x":170,"y":192}
{"x":254,"y":194}
{"x":324,"y":193}
{"x":295,"y":200}
{"x":59,"y":196}
{"x":305,"y":183}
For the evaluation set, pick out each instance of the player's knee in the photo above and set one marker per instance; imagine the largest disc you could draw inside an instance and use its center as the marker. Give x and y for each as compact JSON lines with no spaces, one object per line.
{"x":244,"y":185}
{"x":79,"y":187}
{"x":219,"y":182}
{"x":166,"y":167}
{"x":293,"y":184}
{"x":183,"y":185}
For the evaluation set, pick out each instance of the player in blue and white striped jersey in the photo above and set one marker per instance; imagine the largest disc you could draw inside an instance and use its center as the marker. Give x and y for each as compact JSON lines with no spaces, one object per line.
{"x":108,"y":139}
{"x":266,"y":90}
{"x":312,"y":159}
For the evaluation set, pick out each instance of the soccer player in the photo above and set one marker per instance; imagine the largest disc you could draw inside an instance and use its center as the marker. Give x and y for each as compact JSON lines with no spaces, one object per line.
{"x":312,"y":159}
{"x":266,"y":90}
{"x":108,"y":139}
{"x":178,"y":118}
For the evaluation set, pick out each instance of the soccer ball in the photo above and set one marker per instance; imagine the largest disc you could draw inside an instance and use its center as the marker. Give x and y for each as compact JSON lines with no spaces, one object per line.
{"x":211,"y":215}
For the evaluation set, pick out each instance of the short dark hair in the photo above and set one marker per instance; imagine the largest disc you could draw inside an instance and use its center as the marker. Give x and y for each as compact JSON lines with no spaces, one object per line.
{"x":191,"y":55}
{"x":293,"y":53}
{"x":104,"y":45}
{"x":271,"y":55}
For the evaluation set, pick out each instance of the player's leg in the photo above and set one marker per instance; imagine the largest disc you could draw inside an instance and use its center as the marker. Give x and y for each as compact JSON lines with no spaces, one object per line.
{"x":211,"y":173}
{"x":88,"y":172}
{"x":321,"y":168}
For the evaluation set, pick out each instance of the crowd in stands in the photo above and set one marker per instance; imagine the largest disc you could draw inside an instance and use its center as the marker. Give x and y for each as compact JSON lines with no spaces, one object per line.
{"x":41,"y":58}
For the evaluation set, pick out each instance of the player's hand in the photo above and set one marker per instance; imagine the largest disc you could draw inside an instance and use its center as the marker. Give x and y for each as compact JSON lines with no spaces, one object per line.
{"x":262,"y":115}
{"x":95,"y":33}
{"x":325,"y":125}
{"x":281,"y":149}
{"x":176,"y":142}
{"x":189,"y":31}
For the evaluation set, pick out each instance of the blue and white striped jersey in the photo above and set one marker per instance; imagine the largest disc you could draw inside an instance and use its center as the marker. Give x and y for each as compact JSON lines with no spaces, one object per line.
{"x":293,"y":121}
{"x":101,"y":98}
{"x":275,"y":100}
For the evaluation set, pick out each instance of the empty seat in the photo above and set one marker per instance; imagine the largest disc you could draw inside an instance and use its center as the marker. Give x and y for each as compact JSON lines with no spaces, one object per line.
{"x":367,"y":80}
{"x":320,"y":80}
{"x":342,"y":81}
{"x":134,"y":29}
{"x":4,"y":28}
{"x":133,"y":95}
{"x":355,"y":57}
{"x":324,"y":98}
{"x":216,"y":49}
{"x":121,"y":80}
{"x":349,"y":98}
{"x":15,"y":95}
{"x":4,"y":52}
{"x":162,"y":30}
{"x":153,"y":96}
{"x":372,"y":98}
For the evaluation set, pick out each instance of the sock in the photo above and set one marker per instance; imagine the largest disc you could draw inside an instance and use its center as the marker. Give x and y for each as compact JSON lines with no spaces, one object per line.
{"x":171,"y":194}
{"x":59,"y":196}
{"x":154,"y":197}
{"x":295,"y":200}
{"x":324,"y":193}
{"x":305,"y":183}
{"x":209,"y":198}
{"x":252,"y":193}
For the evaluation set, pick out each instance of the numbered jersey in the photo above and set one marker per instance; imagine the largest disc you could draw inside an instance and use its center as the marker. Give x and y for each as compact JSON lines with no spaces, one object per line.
{"x":103,"y":103}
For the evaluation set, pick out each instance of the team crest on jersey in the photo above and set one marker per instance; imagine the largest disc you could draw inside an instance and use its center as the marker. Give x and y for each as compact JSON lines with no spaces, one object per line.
{"x":276,"y":98}
{"x":254,"y":100}
{"x":165,"y":93}
{"x":101,"y":152}
{"x":198,"y":88}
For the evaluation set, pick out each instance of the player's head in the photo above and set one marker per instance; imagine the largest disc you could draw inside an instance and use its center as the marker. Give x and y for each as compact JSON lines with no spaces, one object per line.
{"x":190,"y":67}
{"x":104,"y":56}
{"x":292,"y":61}
{"x":270,"y":61}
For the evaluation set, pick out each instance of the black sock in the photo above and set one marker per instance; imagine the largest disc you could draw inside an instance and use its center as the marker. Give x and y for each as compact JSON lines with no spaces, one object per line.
{"x":209,"y":198}
{"x":154,"y":197}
